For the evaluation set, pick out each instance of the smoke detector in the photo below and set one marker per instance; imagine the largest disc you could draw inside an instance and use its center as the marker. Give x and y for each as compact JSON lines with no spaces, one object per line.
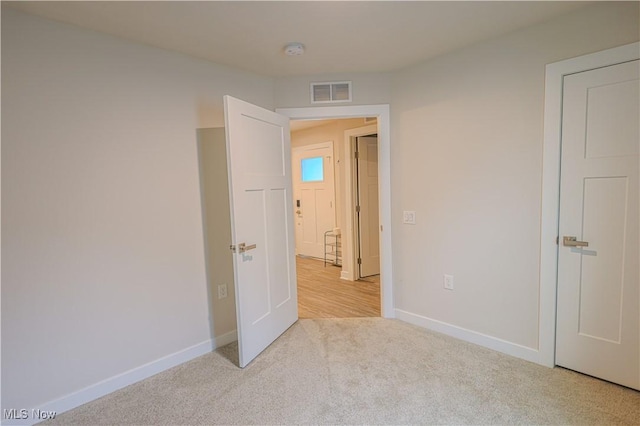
{"x":294,"y":49}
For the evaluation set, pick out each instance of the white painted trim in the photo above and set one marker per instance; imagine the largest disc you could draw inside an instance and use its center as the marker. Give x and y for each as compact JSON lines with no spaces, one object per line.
{"x":224,"y":339}
{"x":470,"y":336}
{"x":119,"y":381}
{"x":384,"y":167}
{"x":551,"y":183}
{"x":349,"y":235}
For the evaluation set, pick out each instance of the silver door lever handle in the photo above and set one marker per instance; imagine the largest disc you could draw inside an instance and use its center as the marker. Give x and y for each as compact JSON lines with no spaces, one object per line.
{"x":242,"y":247}
{"x":572,"y":242}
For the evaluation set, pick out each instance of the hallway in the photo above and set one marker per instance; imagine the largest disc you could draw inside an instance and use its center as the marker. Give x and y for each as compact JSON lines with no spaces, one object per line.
{"x":322,"y":294}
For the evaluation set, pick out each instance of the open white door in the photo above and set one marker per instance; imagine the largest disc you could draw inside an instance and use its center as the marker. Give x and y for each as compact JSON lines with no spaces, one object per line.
{"x":598,"y":317}
{"x":259,"y":163}
{"x":368,"y":216}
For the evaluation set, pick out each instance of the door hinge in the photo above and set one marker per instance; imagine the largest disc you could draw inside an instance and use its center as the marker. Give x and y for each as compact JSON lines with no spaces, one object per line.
{"x":232,"y":247}
{"x":357,"y":155}
{"x":357,"y":209}
{"x":359,"y":261}
{"x":558,"y":240}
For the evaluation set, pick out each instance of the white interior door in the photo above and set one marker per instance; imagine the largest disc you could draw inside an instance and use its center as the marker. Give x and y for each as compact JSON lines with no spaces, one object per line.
{"x":598,"y":316}
{"x":259,"y":163}
{"x":368,"y":214}
{"x":314,"y":197}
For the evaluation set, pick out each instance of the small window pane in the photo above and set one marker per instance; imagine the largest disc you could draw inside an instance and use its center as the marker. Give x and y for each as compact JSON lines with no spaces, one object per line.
{"x":312,"y":170}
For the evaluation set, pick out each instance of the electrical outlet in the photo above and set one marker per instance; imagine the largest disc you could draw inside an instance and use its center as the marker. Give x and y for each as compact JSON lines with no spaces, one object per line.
{"x":409,"y":217}
{"x":448,"y":282}
{"x":222,"y":291}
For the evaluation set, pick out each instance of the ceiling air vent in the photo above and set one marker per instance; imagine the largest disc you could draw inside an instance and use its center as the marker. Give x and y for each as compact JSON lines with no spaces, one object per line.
{"x":335,"y":91}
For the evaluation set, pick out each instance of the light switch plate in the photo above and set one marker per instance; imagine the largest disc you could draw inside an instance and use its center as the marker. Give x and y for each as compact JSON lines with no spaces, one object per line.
{"x":409,"y":217}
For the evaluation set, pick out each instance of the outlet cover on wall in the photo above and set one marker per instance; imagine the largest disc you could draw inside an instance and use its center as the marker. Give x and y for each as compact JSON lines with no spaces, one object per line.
{"x":448,"y":282}
{"x":222,"y":291}
{"x":409,"y":217}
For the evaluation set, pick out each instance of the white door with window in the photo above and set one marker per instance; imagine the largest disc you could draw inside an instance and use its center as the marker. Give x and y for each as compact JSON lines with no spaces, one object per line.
{"x":598,"y":312}
{"x":367,"y":206}
{"x":259,"y":167}
{"x":314,"y":197}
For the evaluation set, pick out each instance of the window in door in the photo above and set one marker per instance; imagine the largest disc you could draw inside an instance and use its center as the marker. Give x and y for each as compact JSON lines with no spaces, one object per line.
{"x":312,"y":169}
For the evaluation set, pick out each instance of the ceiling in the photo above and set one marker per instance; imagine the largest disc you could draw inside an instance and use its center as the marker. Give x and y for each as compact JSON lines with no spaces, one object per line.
{"x":340,"y":36}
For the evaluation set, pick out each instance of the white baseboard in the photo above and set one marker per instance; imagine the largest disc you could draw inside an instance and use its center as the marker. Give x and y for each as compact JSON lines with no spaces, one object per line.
{"x":509,"y":348}
{"x":225,"y":339}
{"x":119,"y":381}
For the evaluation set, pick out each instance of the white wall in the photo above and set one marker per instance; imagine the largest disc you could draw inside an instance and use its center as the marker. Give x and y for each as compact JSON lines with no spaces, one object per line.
{"x":214,"y":180}
{"x":102,"y":239}
{"x":467,"y":135}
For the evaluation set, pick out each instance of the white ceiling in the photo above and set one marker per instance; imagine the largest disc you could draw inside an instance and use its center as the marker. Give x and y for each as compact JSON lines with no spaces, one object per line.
{"x":340,"y":36}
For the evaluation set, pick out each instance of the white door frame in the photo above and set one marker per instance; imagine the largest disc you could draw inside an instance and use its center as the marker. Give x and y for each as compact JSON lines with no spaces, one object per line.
{"x":349,"y":269}
{"x":551,"y":183}
{"x":384,"y":173}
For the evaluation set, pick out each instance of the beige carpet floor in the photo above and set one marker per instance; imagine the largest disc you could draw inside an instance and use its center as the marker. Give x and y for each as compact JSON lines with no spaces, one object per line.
{"x":363,"y":371}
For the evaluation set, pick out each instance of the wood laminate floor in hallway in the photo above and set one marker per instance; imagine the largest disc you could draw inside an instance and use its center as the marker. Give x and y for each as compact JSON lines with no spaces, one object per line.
{"x":322,"y":294}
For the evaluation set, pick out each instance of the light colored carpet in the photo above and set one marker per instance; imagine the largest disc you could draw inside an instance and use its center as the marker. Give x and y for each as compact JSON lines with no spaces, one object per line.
{"x":363,"y":371}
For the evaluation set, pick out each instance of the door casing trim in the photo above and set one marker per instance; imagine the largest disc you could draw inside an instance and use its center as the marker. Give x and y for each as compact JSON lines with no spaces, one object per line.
{"x":554,"y":78}
{"x":382,"y":112}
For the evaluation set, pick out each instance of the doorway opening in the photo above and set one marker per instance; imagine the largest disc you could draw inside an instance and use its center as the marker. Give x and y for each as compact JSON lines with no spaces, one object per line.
{"x":335,"y":183}
{"x":382,"y":114}
{"x":262,"y":316}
